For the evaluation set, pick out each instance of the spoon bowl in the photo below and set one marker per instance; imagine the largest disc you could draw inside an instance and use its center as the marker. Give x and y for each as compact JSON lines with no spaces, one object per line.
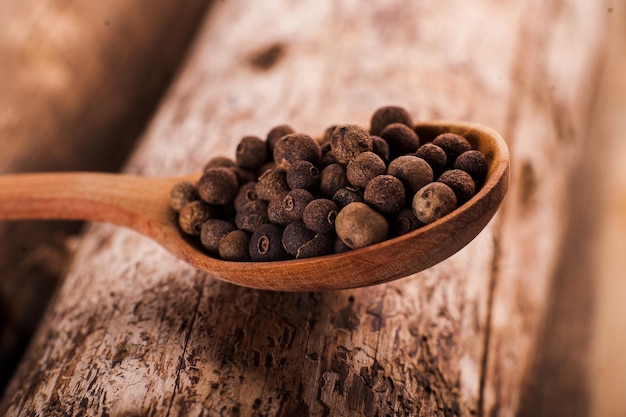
{"x":142,"y":204}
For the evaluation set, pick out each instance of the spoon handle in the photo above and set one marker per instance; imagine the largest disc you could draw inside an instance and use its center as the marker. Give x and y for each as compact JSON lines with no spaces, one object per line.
{"x":113,"y":198}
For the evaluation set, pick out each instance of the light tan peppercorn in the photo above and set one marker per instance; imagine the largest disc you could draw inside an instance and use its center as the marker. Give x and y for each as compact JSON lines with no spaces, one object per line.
{"x":413,"y":171}
{"x":192,"y":215}
{"x":460,"y":182}
{"x":433,"y":201}
{"x":218,"y":185}
{"x":181,"y":194}
{"x":385,"y":193}
{"x":387,"y":115}
{"x":358,"y":225}
{"x":296,"y":147}
{"x":347,"y":141}
{"x":363,"y":168}
{"x":234,"y":246}
{"x":213,"y":230}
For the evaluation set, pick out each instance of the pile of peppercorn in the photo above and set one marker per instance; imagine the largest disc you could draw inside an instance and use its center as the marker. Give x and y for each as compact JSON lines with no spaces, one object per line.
{"x":292,"y":196}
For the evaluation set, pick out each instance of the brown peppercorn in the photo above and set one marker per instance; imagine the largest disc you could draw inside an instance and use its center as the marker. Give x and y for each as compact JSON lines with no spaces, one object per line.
{"x":181,"y":194}
{"x":340,"y":246}
{"x":192,"y":215}
{"x":380,"y":147}
{"x":387,"y":115}
{"x":266,"y":243}
{"x":213,"y":230}
{"x":333,"y":177}
{"x":347,"y":195}
{"x":319,"y":215}
{"x":453,"y":145}
{"x":296,"y":147}
{"x":386,"y":194}
{"x":474,"y":163}
{"x":413,"y":171}
{"x":252,"y":215}
{"x":320,"y":245}
{"x":272,"y":184}
{"x":234,"y":246}
{"x":295,"y":235}
{"x":461,"y":183}
{"x":220,"y":162}
{"x":276,"y":212}
{"x":246,"y":193}
{"x":347,"y":141}
{"x":295,"y":202}
{"x":218,"y":185}
{"x":251,"y":152}
{"x":433,"y":201}
{"x":275,"y":134}
{"x":244,"y":175}
{"x":401,"y":139}
{"x":405,"y":221}
{"x":364,"y":167}
{"x":303,"y":174}
{"x":359,"y":225}
{"x":434,"y":155}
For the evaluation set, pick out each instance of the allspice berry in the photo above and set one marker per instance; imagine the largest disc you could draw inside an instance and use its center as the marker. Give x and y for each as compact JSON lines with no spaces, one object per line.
{"x":220,"y":162}
{"x":460,"y":182}
{"x":192,"y":215}
{"x":295,"y":202}
{"x":380,"y":147}
{"x":234,"y":246}
{"x":434,"y":155}
{"x":385,"y":193}
{"x":333,"y":177}
{"x":319,"y":215}
{"x":384,"y":116}
{"x":401,"y":139}
{"x":363,"y":167}
{"x":246,"y":193}
{"x":303,"y":174}
{"x":474,"y":163}
{"x":347,"y":141}
{"x":295,"y":235}
{"x":321,"y":244}
{"x":296,"y":147}
{"x":181,"y":194}
{"x":453,"y":145}
{"x":251,"y":152}
{"x":404,"y":222}
{"x":218,"y":185}
{"x":272,"y":184}
{"x":347,"y":195}
{"x":252,"y":215}
{"x":276,"y":133}
{"x":266,"y":243}
{"x":276,"y":212}
{"x":359,"y":225}
{"x":213,"y":230}
{"x":413,"y":171}
{"x":433,"y":201}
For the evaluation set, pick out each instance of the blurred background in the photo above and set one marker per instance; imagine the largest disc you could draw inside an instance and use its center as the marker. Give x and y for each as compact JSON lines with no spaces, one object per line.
{"x":79,"y":81}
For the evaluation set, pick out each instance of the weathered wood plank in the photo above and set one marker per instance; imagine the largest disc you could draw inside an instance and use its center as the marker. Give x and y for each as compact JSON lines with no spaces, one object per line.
{"x":134,"y":331}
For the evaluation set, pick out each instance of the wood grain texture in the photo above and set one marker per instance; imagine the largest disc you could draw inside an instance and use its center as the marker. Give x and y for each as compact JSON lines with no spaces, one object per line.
{"x":135,"y":332}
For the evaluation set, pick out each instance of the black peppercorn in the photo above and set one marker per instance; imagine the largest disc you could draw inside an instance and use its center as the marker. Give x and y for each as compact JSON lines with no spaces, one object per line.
{"x":401,"y":139}
{"x":474,"y":163}
{"x":181,"y":194}
{"x":275,"y":134}
{"x":192,"y":215}
{"x":319,"y":215}
{"x":296,"y":147}
{"x":405,"y":221}
{"x":434,"y":155}
{"x":363,"y":167}
{"x":385,"y":193}
{"x":453,"y":145}
{"x":359,"y":225}
{"x":251,"y":152}
{"x":433,"y":201}
{"x":460,"y":182}
{"x":347,"y":141}
{"x":295,"y":202}
{"x":303,"y":174}
{"x":266,"y":243}
{"x":246,"y":193}
{"x":295,"y":235}
{"x":387,"y":115}
{"x":413,"y":171}
{"x":213,"y":230}
{"x":347,"y":195}
{"x":234,"y":246}
{"x":333,"y":177}
{"x":252,"y":215}
{"x":218,"y":185}
{"x":272,"y":184}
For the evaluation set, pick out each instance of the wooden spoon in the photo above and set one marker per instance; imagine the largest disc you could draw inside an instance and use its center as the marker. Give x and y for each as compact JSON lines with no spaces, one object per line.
{"x":142,"y":204}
